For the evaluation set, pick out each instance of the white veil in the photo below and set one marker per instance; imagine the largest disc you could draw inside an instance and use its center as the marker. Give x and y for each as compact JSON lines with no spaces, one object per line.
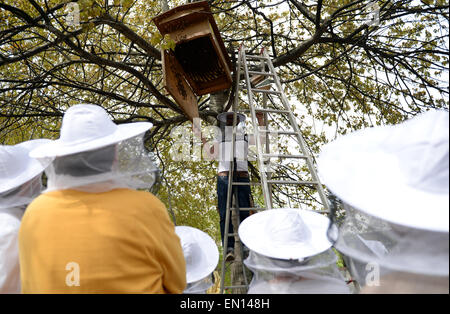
{"x":126,"y":164}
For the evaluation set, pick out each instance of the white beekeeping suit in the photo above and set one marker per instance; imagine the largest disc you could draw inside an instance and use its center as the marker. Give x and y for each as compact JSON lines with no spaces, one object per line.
{"x":225,"y":143}
{"x":20,"y":183}
{"x":290,"y":253}
{"x":393,"y":182}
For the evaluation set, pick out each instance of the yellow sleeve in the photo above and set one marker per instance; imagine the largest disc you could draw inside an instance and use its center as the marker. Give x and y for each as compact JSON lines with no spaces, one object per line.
{"x":171,"y":254}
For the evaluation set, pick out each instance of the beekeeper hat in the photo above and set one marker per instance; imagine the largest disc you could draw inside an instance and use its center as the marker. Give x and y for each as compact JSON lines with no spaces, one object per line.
{"x":88,"y":127}
{"x":200,"y":252}
{"x":396,"y":173}
{"x":286,"y":233}
{"x":16,"y":167}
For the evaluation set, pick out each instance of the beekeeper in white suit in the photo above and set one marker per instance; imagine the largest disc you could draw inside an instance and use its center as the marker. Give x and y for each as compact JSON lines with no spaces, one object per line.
{"x":290,"y":253}
{"x":20,"y":183}
{"x":394,"y":185}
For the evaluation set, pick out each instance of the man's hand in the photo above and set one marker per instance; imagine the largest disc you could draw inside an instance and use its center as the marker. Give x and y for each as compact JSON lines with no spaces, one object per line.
{"x":260,"y":117}
{"x":210,"y":150}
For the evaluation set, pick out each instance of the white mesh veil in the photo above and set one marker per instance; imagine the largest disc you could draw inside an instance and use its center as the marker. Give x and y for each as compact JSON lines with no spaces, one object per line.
{"x":126,"y":164}
{"x":317,"y":274}
{"x":22,"y":195}
{"x":365,"y":240}
{"x":200,"y":286}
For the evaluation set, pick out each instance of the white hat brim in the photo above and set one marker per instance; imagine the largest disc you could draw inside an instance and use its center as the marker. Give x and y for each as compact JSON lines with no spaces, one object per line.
{"x":207,"y":262}
{"x":359,"y":172}
{"x":33,"y":167}
{"x":222,"y":117}
{"x":32,"y":144}
{"x":59,"y":148}
{"x":254,"y":235}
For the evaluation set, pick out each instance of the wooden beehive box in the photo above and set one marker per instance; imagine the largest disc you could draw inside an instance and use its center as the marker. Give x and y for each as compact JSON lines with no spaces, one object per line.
{"x":177,"y":86}
{"x":199,"y":48}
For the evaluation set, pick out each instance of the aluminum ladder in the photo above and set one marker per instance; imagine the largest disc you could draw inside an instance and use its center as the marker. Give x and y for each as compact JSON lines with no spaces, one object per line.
{"x":261,"y":78}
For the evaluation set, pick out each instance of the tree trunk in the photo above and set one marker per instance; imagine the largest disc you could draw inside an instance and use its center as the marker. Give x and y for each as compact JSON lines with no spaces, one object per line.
{"x":217,"y":102}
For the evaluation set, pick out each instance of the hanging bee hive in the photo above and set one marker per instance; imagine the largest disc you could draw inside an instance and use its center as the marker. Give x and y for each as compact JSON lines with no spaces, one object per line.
{"x":199,"y":49}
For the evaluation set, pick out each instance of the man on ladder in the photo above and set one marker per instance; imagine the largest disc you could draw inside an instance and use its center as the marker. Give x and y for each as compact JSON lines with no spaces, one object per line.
{"x":223,"y":142}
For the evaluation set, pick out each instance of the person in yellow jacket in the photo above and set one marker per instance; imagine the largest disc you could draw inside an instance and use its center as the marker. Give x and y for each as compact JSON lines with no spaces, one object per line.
{"x":92,"y":231}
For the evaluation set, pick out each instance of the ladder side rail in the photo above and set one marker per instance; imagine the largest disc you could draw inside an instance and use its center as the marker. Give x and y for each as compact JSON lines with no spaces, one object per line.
{"x":230,"y":179}
{"x":237,"y":210}
{"x":302,"y":143}
{"x":267,"y":196}
{"x":237,"y":206}
{"x":235,"y":187}
{"x":267,"y":134}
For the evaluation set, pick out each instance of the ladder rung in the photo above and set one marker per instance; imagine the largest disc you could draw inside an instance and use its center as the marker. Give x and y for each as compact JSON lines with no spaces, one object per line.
{"x":261,"y":89}
{"x":256,"y":57}
{"x":265,"y":91}
{"x":264,"y":110}
{"x":261,"y":73}
{"x":237,"y":286}
{"x":278,"y":132}
{"x":248,"y":208}
{"x":245,"y":183}
{"x":292,"y":182}
{"x":271,"y":110}
{"x":284,"y":156}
